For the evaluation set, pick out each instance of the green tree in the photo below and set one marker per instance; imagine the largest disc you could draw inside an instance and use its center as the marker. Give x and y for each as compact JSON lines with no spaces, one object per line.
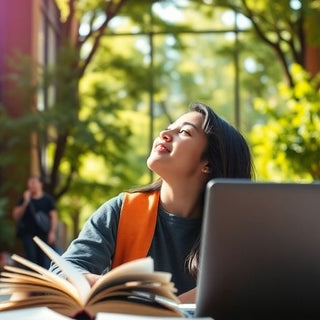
{"x":287,"y":146}
{"x":67,"y":131}
{"x":287,"y":27}
{"x":75,"y":135}
{"x":285,"y":140}
{"x":61,"y":127}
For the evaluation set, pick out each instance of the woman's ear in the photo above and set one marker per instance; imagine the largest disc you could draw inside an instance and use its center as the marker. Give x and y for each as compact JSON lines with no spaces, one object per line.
{"x":206,"y":169}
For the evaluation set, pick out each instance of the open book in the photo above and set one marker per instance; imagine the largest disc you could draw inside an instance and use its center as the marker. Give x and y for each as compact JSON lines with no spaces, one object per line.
{"x":132,"y":288}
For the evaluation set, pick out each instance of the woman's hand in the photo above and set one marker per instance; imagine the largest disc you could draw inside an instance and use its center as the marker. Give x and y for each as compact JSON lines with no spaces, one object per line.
{"x":92,"y":278}
{"x":189,"y":296}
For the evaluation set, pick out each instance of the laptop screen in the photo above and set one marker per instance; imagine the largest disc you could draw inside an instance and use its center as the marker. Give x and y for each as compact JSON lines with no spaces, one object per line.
{"x":260,"y":251}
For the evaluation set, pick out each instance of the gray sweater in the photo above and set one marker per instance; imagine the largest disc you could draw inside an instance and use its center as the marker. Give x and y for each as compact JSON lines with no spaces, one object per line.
{"x":174,"y":236}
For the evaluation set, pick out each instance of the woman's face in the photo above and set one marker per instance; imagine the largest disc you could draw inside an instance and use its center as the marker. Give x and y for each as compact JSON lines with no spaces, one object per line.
{"x":177,"y":151}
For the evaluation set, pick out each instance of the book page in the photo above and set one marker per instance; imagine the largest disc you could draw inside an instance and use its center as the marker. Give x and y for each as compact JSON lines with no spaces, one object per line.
{"x":58,"y":304}
{"x":142,"y":265}
{"x":133,"y":306}
{"x":139,"y":269}
{"x":73,"y":275}
{"x":120,"y":316}
{"x":134,"y":279}
{"x":26,"y":272}
{"x":51,"y":277}
{"x":146,"y":289}
{"x":41,"y":313}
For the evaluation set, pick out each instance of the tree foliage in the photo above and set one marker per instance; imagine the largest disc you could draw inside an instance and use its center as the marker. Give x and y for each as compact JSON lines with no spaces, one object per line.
{"x":285,"y":140}
{"x":285,"y":26}
{"x":61,"y":127}
{"x":67,"y":129}
{"x":287,"y":145}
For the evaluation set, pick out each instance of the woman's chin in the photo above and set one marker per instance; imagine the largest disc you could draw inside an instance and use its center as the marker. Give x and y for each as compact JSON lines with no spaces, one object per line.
{"x":155,"y":165}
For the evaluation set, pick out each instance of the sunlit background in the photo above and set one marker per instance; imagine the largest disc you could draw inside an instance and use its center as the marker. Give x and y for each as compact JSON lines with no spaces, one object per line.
{"x":87,"y":85}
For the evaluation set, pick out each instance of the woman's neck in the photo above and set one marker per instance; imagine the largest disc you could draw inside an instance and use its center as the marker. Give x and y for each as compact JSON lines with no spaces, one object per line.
{"x":184,"y":201}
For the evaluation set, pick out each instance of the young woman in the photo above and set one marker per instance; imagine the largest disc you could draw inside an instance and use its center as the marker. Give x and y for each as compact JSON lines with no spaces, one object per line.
{"x":163,"y":220}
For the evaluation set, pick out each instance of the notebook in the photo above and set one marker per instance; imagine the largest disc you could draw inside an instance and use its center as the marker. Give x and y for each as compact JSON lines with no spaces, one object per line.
{"x":260,"y":251}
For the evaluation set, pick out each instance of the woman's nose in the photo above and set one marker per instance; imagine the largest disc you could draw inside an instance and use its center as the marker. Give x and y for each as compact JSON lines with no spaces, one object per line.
{"x":165,"y":135}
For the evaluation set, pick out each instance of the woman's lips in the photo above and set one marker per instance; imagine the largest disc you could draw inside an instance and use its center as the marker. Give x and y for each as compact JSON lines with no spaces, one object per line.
{"x":161,"y":147}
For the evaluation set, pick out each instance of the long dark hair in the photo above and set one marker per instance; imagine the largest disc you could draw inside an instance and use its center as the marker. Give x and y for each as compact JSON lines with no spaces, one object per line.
{"x":228,"y":155}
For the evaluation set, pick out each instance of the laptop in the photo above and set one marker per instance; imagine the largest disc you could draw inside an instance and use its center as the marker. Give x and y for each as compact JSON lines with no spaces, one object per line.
{"x":260,"y":251}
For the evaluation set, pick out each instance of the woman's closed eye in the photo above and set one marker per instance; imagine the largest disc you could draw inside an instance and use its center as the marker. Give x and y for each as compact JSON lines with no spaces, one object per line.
{"x":184,"y":131}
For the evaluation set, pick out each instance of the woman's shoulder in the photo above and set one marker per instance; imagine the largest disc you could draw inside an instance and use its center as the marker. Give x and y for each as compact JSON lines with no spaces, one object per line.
{"x":108,"y":212}
{"x":113,"y":204}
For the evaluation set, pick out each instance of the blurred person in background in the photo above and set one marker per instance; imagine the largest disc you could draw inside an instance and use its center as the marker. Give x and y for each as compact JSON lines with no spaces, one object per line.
{"x":36,"y":215}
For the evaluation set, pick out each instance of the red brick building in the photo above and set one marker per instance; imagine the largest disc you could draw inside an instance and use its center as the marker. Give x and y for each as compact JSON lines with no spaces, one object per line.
{"x":29,"y":28}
